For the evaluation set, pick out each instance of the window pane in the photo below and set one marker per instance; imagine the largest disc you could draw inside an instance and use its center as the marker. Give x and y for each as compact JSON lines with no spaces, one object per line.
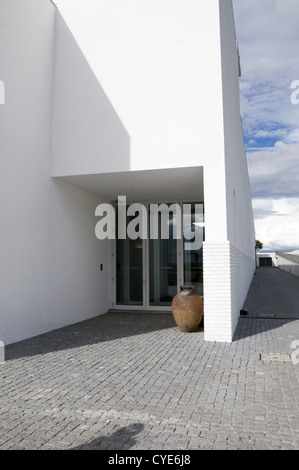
{"x":193,"y":229}
{"x":129,"y":271}
{"x":163,"y":265}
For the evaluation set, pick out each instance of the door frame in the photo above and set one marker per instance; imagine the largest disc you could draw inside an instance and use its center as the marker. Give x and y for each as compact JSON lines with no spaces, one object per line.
{"x":145,"y":271}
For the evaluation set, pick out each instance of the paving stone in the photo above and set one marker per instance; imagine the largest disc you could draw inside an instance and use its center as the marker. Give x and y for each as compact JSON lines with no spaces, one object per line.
{"x":129,"y":380}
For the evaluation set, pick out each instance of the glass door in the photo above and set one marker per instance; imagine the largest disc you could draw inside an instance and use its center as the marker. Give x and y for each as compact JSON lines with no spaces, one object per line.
{"x":162,"y":261}
{"x":193,"y":230}
{"x":129,"y":271}
{"x":149,"y":272}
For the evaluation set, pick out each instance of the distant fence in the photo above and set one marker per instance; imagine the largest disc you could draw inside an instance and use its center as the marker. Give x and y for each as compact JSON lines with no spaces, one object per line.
{"x":288,"y":262}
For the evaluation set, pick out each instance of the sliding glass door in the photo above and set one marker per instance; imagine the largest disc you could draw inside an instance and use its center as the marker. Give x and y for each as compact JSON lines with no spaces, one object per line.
{"x":193,"y":236}
{"x":149,"y":272}
{"x":129,"y":271}
{"x":163,"y":264}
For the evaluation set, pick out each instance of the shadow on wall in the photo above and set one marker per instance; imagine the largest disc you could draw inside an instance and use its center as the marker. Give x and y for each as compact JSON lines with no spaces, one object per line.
{"x":88,"y":136}
{"x":123,"y":438}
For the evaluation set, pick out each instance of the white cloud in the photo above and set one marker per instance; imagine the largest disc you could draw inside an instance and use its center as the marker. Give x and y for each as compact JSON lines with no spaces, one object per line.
{"x":270,"y":134}
{"x":268,"y":37}
{"x":274,"y":172}
{"x":278,"y":226}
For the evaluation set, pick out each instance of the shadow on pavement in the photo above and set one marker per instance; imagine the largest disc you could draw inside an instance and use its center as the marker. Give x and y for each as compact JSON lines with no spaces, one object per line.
{"x":107,"y":327}
{"x":123,"y":438}
{"x":251,"y":326}
{"x":272,"y":301}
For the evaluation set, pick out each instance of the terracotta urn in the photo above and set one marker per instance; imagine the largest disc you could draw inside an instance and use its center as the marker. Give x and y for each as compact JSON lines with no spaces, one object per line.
{"x":187,"y":309}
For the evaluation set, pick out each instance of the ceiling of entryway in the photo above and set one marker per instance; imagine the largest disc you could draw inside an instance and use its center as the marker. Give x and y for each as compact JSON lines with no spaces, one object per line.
{"x":171,"y":184}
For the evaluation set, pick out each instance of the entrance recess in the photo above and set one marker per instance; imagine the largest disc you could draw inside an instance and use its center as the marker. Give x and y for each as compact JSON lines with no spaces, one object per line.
{"x":149,"y":272}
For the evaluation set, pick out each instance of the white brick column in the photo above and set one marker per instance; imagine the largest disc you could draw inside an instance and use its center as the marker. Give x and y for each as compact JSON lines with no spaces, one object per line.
{"x":217,"y":291}
{"x":227,"y":276}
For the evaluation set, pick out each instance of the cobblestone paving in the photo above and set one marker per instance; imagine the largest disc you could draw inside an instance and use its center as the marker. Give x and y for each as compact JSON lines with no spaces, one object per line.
{"x":126,"y":381}
{"x":273,"y":293}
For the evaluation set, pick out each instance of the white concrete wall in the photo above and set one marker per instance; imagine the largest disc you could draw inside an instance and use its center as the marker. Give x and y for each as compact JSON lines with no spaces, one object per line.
{"x":158,"y":61}
{"x":240,"y":224}
{"x":25,"y":185}
{"x":88,"y":136}
{"x":288,"y":263}
{"x":229,"y":257}
{"x":79,"y":289}
{"x":49,"y":271}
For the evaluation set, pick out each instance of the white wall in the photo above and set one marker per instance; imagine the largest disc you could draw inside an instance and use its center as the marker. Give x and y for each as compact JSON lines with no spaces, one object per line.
{"x":288,"y":263}
{"x":25,"y":185}
{"x":50,"y":257}
{"x":229,"y":255}
{"x":240,"y":223}
{"x":158,"y":61}
{"x":88,"y":136}
{"x":217,"y":289}
{"x":79,"y":289}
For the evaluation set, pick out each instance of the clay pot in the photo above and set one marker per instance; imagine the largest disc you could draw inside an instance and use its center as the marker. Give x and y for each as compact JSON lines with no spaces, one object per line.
{"x":187,"y":309}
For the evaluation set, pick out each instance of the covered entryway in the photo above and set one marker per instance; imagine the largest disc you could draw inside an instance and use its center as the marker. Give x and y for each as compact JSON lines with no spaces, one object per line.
{"x":145,"y":274}
{"x":265,"y":261}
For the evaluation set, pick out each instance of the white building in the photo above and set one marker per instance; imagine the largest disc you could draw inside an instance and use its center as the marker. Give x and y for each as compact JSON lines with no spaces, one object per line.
{"x":135,"y":98}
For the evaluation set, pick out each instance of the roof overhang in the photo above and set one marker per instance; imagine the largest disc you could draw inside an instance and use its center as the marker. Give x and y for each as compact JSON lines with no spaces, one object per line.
{"x":170,"y":184}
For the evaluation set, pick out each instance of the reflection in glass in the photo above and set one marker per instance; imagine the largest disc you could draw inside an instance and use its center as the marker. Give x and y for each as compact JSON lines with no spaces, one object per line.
{"x":193,"y":219}
{"x":163,"y":265}
{"x":129,"y":271}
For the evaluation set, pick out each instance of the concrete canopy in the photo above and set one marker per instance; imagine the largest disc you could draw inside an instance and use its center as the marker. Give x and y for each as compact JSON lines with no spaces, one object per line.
{"x":171,"y":184}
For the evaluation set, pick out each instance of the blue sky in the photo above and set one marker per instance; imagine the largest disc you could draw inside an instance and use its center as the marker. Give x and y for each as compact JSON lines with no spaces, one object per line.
{"x":268,"y":37}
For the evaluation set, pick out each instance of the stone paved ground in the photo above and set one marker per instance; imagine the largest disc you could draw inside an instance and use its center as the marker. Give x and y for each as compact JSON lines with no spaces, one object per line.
{"x":273,"y":293}
{"x":134,"y":381}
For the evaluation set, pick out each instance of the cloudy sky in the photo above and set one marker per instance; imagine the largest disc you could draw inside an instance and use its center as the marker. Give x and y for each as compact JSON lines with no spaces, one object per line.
{"x":268,"y":36}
